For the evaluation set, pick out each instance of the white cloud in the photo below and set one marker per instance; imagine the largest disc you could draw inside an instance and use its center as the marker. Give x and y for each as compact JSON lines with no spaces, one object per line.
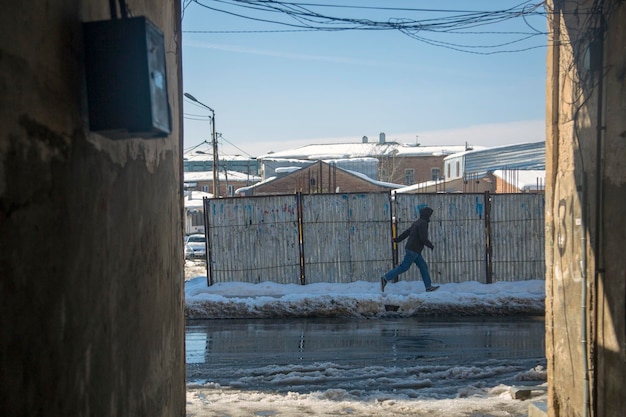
{"x":494,"y":134}
{"x":267,"y":52}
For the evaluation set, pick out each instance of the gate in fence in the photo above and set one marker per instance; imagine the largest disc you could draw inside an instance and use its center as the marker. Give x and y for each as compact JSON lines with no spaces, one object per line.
{"x":340,"y":238}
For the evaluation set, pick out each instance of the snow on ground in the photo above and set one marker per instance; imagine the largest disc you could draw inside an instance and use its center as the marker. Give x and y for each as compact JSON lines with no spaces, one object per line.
{"x":359,"y":299}
{"x":194,"y":269}
{"x":205,"y":401}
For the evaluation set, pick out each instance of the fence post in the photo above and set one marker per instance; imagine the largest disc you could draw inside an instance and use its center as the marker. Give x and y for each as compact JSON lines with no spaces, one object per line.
{"x":301,"y":236}
{"x":488,"y":248}
{"x":393,"y":221}
{"x":207,"y":242}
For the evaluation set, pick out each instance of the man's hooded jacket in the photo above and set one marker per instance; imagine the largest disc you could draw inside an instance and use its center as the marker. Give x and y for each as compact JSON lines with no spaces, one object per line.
{"x":418,"y":232}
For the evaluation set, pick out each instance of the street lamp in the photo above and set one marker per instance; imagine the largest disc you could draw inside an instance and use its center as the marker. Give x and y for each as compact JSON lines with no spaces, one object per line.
{"x":216,"y":188}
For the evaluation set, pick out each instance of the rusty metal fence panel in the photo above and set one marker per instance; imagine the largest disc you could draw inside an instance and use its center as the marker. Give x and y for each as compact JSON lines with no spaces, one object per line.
{"x":253,"y":239}
{"x":518,"y":236}
{"x":457,"y":231}
{"x":346,"y":236}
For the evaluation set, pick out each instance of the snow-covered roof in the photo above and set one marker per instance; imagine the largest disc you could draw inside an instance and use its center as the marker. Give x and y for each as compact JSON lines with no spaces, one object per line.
{"x":361,"y":150}
{"x":351,"y":160}
{"x":193,"y":199}
{"x":289,"y":170}
{"x":194,"y":176}
{"x":419,"y":186}
{"x":409,"y":150}
{"x":525,"y":180}
{"x":255,"y":185}
{"x":372,"y":181}
{"x":283,"y":160}
{"x":286,"y":170}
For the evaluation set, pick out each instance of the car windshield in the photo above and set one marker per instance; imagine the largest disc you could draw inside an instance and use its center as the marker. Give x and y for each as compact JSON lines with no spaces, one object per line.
{"x":196,"y":239}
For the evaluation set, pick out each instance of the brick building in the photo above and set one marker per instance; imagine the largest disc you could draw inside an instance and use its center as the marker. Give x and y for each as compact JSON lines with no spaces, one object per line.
{"x":320,"y":177}
{"x":392,"y":162}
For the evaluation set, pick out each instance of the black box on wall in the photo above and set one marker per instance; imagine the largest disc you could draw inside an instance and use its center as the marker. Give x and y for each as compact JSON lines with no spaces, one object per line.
{"x":126,"y":79}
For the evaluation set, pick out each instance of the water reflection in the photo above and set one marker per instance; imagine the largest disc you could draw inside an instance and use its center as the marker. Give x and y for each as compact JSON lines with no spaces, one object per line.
{"x":253,"y":352}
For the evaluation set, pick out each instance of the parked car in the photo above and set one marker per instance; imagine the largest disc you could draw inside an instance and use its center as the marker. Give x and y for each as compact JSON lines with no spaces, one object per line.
{"x":195,"y":247}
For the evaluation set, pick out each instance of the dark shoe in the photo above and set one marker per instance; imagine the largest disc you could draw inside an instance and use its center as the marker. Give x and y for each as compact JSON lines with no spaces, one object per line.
{"x":432,"y":288}
{"x":383,"y":284}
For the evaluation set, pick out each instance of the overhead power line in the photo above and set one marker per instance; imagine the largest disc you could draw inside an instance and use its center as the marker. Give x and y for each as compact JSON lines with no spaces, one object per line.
{"x":235,"y":146}
{"x":416,"y":23}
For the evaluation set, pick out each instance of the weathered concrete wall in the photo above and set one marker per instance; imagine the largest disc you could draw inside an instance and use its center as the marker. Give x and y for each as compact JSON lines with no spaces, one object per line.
{"x":91,"y":277}
{"x":585,"y":200}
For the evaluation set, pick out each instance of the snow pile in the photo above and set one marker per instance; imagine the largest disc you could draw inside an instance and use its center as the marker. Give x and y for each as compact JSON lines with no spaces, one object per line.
{"x":361,"y":299}
{"x":218,"y":401}
{"x":538,"y":373}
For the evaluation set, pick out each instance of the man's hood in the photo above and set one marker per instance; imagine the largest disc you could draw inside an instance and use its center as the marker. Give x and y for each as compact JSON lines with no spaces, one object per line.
{"x":425,"y":213}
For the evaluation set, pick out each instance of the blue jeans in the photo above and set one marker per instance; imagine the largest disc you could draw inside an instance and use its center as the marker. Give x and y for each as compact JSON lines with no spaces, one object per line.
{"x":409,"y":258}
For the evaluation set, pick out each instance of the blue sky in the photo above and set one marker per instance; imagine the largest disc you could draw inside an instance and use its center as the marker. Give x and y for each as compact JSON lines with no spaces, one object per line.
{"x":273,"y":91}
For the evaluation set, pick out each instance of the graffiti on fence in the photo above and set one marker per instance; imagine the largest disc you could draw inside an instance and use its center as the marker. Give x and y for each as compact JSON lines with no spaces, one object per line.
{"x":347,"y":237}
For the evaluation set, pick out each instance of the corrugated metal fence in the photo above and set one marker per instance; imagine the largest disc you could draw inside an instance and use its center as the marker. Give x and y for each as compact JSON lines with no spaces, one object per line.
{"x":308,"y":238}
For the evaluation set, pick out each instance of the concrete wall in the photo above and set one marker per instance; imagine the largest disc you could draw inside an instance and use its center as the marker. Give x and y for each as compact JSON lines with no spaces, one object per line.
{"x":585,"y":200}
{"x":91,"y":278}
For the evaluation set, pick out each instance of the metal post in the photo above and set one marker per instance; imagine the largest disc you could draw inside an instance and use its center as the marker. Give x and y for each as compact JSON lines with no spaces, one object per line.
{"x":216,"y":190}
{"x":216,"y":185}
{"x":300,"y":211}
{"x":488,"y":245}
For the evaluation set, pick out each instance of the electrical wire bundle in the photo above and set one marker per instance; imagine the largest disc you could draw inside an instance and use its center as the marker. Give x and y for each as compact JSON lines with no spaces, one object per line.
{"x":422,"y":24}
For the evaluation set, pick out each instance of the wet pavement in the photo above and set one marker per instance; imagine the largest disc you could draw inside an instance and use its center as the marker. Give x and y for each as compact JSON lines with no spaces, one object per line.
{"x":415,"y":357}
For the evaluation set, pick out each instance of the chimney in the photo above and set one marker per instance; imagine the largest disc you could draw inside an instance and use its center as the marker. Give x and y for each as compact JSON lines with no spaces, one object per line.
{"x":364,"y":139}
{"x":381,"y":137}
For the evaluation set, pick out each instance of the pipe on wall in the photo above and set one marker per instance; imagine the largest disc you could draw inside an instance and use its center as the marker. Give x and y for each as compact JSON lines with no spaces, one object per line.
{"x":599,"y":194}
{"x":583,"y":296}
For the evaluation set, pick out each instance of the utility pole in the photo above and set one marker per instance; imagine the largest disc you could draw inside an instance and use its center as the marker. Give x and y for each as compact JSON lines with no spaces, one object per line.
{"x":216,"y":160}
{"x":216,"y":174}
{"x":216,"y":189}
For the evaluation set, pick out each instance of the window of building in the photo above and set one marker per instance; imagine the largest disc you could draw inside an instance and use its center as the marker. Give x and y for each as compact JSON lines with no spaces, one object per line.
{"x":205,"y":188}
{"x":435,"y":174}
{"x":197,"y":219}
{"x":458,"y":169}
{"x":231,"y":190}
{"x":448,"y":169}
{"x":409,"y":176}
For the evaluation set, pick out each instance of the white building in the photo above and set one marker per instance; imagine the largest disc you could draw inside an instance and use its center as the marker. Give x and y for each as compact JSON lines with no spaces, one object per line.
{"x":478,"y":162}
